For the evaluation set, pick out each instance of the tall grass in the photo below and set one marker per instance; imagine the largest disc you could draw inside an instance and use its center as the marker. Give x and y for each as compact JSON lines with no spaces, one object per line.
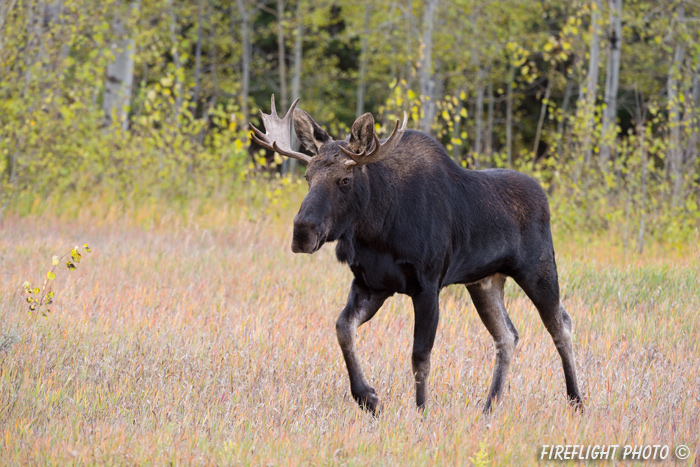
{"x":201,"y":339}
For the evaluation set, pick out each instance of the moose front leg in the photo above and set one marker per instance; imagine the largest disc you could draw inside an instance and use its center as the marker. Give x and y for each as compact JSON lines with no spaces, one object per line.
{"x":362,"y":305}
{"x":427,"y":313}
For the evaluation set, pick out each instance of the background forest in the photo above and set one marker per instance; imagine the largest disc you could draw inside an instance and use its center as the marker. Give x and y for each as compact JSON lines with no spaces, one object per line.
{"x":150,"y":99}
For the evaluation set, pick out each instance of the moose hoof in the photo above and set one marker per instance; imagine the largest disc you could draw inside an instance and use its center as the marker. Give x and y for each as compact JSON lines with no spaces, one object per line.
{"x":576,"y":403}
{"x":368,"y":400}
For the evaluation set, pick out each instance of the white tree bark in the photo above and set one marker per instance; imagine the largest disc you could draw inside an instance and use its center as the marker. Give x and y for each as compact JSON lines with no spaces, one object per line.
{"x":290,"y":164}
{"x":509,"y":116}
{"x":568,"y":90}
{"x":5,"y":7}
{"x":244,"y":12}
{"x":612,"y":78}
{"x":489,"y":121}
{"x":120,"y":73}
{"x":362,"y":77}
{"x":591,"y":82}
{"x":479,"y":112}
{"x":281,"y":54}
{"x":411,"y":32}
{"x":427,"y":82}
{"x":198,"y":55}
{"x":176,"y":58}
{"x":298,"y":52}
{"x":695,"y":118}
{"x":675,"y":151}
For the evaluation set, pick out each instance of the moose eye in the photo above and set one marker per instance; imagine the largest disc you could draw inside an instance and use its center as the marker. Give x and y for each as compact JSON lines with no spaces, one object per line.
{"x":345,"y":181}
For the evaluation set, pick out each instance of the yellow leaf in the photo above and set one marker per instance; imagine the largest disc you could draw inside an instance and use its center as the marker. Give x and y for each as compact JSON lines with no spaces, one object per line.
{"x":75,"y":255}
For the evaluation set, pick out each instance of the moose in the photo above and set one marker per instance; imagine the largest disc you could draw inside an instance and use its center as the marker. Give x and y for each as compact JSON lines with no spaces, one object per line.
{"x":407,"y":219}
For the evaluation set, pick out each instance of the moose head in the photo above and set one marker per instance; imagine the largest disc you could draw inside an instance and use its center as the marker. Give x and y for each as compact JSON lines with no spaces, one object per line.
{"x":338,"y":186}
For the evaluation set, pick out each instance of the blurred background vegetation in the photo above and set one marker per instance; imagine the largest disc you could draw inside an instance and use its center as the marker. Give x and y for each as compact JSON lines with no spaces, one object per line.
{"x":141,"y":101}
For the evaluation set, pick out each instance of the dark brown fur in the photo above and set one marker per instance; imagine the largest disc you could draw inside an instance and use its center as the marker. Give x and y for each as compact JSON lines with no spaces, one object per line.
{"x":415,"y":222}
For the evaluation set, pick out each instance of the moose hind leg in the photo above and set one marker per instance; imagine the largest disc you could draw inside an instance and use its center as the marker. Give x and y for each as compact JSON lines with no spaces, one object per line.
{"x":487,"y":296}
{"x":363,"y":303}
{"x":543,"y":289}
{"x":427,"y":313}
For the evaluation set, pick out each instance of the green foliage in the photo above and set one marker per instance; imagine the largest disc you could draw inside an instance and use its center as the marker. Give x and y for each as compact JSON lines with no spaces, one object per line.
{"x":39,"y":299}
{"x":184,"y":132}
{"x":481,"y":457}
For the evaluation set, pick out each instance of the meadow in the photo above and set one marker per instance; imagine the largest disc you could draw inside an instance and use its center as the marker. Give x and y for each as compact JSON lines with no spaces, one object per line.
{"x":198,"y":337}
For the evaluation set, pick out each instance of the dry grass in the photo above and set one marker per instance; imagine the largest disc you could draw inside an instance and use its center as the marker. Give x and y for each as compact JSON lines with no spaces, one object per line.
{"x":179,"y":343}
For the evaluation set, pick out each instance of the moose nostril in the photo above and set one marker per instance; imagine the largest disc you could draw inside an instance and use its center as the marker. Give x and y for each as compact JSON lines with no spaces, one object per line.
{"x":306,"y":237}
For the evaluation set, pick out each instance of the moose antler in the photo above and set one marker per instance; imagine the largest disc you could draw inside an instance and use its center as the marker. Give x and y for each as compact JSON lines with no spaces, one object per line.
{"x":381,"y":150}
{"x":278,"y":130}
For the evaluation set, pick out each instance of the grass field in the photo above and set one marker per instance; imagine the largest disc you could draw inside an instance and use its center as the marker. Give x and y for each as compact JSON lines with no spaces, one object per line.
{"x":204,"y":340}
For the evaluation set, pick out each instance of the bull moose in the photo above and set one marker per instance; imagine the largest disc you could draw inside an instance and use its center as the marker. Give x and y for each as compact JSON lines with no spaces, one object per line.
{"x":407,"y":219}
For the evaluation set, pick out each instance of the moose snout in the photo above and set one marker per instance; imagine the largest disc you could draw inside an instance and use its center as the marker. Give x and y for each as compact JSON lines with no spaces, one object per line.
{"x":307,"y":236}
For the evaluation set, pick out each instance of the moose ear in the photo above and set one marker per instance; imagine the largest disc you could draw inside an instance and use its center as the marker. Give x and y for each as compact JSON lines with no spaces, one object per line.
{"x":362,"y":134}
{"x":311,"y":135}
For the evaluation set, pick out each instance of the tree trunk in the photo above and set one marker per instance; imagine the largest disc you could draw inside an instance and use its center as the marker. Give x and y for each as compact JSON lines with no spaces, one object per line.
{"x":410,"y":34}
{"x":540,"y":122}
{"x":695,"y":119}
{"x":609,"y":125}
{"x":281,"y":55}
{"x":212,"y":59}
{"x":291,"y":163}
{"x":245,"y":56}
{"x":5,"y":9}
{"x":489,"y":122}
{"x":591,"y":83}
{"x":479,"y":113}
{"x":568,"y":90}
{"x":641,"y":134}
{"x":427,"y":82}
{"x":509,"y":116}
{"x":675,"y":151}
{"x":120,"y":73}
{"x":33,"y":29}
{"x":198,"y":57}
{"x":456,"y":130}
{"x":298,"y":52}
{"x":361,"y":82}
{"x":176,"y":59}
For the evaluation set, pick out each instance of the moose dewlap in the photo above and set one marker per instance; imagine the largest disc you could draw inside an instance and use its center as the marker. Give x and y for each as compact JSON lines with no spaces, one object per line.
{"x":407,"y":219}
